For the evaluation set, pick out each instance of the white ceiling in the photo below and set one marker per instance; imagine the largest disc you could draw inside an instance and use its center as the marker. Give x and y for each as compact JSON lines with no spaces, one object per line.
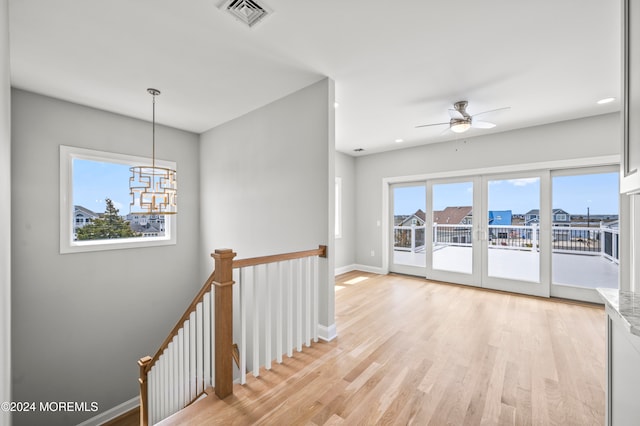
{"x":396,"y":64}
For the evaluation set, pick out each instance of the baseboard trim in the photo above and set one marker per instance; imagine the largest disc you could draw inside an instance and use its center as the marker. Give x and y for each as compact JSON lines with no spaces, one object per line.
{"x":345,"y":269}
{"x":327,"y":333}
{"x":371,"y":269}
{"x":112,"y":413}
{"x":358,"y":267}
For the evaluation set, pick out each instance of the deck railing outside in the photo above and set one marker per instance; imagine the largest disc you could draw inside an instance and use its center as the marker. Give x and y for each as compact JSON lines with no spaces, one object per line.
{"x":602,"y":241}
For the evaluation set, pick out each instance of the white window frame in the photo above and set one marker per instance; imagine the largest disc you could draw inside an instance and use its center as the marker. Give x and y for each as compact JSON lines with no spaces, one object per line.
{"x":67,"y":244}
{"x":338,"y":208}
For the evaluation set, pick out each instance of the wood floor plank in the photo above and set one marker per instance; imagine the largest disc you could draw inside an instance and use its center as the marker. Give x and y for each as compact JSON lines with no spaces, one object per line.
{"x":411,"y":351}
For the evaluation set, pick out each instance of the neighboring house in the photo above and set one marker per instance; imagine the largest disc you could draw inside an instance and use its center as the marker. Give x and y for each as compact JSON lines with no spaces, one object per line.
{"x":145,"y":223}
{"x":454,"y":216}
{"x":500,"y":217}
{"x":81,"y":217}
{"x":416,"y":219}
{"x":148,"y":229}
{"x":532,"y":216}
{"x":560,"y":217}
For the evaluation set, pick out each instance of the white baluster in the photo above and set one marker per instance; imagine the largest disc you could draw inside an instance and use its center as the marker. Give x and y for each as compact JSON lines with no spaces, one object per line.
{"x":199,"y":350}
{"x":163,"y":385}
{"x":187,"y":357}
{"x":290,"y":309}
{"x":206,"y":323}
{"x":307,"y":295}
{"x":256,"y":323}
{"x":279,"y":307}
{"x":169,"y":389}
{"x":176,"y":375}
{"x":299,"y":307}
{"x":316,"y":278}
{"x":243,"y":326}
{"x":192,"y":356}
{"x":267,"y":318}
{"x":181,"y":378}
{"x":212,"y":303}
{"x":151,"y":395}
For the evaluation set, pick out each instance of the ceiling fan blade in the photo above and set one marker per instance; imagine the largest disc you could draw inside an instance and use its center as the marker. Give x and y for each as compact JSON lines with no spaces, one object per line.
{"x":434,"y":124}
{"x":491,"y":110}
{"x":482,"y":124}
{"x":454,"y":113}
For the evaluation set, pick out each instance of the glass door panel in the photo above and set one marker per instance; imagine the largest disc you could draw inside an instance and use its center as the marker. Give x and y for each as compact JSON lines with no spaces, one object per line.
{"x":513,"y":229}
{"x":452,"y":223}
{"x":585,"y":232}
{"x":453,"y":254}
{"x":515,"y":233}
{"x":408,"y":232}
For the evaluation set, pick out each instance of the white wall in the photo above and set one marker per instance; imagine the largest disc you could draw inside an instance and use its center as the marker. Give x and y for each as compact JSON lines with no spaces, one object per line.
{"x":267,"y":182}
{"x":346,"y":245}
{"x":81,"y":321}
{"x":588,"y":137}
{"x":5,"y":213}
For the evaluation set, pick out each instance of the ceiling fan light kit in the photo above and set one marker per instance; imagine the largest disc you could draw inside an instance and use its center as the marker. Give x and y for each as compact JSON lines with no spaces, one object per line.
{"x":461,"y":120}
{"x":459,"y":126}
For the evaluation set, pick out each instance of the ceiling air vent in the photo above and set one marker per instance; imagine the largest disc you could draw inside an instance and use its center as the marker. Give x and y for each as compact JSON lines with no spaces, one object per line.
{"x":249,"y":12}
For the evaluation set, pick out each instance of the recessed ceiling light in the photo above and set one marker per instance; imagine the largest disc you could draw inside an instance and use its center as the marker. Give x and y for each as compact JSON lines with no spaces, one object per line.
{"x":336,"y":105}
{"x":606,"y":101}
{"x":399,"y":140}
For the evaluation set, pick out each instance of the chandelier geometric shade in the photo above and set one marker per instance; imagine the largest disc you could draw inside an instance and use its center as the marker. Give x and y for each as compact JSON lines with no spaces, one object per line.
{"x":153,"y":190}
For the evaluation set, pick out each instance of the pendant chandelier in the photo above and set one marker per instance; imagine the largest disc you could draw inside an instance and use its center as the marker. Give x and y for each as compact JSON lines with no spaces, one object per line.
{"x":153,"y":189}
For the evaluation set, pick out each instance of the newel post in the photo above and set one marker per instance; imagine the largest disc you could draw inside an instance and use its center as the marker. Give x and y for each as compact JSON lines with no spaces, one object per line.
{"x":223,"y":282}
{"x":144,"y":398}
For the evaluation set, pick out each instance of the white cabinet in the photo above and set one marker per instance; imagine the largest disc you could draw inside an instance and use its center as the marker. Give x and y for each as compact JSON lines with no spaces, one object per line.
{"x":623,"y":365}
{"x":630,"y":164}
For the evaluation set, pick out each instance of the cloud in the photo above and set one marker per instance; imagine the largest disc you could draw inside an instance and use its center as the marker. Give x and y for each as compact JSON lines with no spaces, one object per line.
{"x":523,"y":181}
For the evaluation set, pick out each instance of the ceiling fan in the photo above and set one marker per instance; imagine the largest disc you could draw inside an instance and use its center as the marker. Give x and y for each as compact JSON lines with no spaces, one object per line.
{"x":461,"y":120}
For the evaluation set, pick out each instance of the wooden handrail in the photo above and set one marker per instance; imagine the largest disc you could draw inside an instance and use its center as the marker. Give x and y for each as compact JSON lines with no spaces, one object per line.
{"x":192,"y":307}
{"x":243,"y":263}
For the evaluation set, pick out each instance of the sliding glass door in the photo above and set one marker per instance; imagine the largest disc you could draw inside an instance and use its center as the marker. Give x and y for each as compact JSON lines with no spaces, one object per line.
{"x":540,"y":232}
{"x":408,"y":206}
{"x":513,"y":234}
{"x":585,"y":232}
{"x":451,"y":227}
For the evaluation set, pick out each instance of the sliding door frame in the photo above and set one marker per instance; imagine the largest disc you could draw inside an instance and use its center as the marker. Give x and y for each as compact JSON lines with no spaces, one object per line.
{"x":511,"y":170}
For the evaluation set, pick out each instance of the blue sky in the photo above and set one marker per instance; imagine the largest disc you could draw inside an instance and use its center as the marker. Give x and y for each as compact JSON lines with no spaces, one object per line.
{"x":93,"y":181}
{"x":574,"y":194}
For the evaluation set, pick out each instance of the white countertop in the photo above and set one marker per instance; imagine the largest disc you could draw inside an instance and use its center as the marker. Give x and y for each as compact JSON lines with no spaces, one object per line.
{"x":626,"y":305}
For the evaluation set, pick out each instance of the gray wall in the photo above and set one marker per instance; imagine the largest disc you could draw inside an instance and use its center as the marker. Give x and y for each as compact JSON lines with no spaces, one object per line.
{"x":267,"y":182}
{"x":5,"y":213}
{"x":346,"y":246}
{"x":588,"y":137}
{"x":81,"y":321}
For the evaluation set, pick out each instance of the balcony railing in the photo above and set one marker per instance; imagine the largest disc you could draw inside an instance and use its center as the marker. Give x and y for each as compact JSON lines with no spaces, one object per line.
{"x":601,"y":241}
{"x":409,"y":238}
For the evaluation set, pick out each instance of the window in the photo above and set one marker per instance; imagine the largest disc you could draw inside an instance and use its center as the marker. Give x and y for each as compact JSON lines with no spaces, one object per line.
{"x":561,"y":217}
{"x":338,"y":208}
{"x":87,"y":179}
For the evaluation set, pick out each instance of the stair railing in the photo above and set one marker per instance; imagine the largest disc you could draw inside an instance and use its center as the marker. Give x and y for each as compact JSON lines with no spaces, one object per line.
{"x":199,"y":352}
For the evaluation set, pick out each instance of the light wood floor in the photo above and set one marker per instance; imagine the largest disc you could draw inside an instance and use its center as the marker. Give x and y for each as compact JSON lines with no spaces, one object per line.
{"x":411,"y":351}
